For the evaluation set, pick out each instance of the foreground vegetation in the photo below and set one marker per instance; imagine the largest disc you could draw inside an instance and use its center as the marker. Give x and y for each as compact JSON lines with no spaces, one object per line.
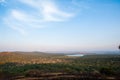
{"x":59,"y":67}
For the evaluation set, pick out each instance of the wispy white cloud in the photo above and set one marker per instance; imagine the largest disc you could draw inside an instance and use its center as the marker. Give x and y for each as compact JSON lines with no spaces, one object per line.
{"x":1,"y":1}
{"x":48,"y":9}
{"x":44,"y":11}
{"x":18,"y":15}
{"x":14,"y":24}
{"x":52,"y":13}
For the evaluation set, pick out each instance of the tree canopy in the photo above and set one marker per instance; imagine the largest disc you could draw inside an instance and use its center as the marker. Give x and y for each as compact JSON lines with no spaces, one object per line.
{"x":119,"y":47}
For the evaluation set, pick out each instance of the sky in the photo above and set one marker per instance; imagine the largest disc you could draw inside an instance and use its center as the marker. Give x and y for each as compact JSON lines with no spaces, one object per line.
{"x":59,"y":25}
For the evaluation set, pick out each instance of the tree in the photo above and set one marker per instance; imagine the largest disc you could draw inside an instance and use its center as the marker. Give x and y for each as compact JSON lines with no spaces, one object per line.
{"x":119,"y":47}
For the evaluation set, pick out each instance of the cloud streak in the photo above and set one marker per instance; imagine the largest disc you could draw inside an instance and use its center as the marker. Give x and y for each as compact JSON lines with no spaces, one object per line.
{"x":1,"y":1}
{"x":48,"y":9}
{"x":42,"y":11}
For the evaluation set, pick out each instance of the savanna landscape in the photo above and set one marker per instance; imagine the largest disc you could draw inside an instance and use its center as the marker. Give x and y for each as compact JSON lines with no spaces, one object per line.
{"x":48,"y":66}
{"x":59,"y":39}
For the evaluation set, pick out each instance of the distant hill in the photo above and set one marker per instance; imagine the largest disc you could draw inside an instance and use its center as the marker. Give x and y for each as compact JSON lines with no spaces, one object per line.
{"x":29,"y":57}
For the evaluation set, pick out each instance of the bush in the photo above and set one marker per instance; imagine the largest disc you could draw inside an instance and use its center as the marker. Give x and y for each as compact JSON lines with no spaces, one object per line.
{"x":106,"y":71}
{"x":33,"y":73}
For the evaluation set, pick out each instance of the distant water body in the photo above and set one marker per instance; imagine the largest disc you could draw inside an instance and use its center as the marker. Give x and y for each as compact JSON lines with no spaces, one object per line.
{"x":75,"y":55}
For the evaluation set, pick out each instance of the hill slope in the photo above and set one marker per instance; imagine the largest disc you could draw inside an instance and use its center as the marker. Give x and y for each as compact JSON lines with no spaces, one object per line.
{"x":29,"y":57}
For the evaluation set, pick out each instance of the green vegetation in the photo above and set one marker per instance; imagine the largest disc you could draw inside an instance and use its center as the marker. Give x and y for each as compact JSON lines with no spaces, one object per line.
{"x":95,"y":66}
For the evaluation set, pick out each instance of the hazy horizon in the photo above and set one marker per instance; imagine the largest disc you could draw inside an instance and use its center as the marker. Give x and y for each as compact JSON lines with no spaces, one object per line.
{"x":59,"y":25}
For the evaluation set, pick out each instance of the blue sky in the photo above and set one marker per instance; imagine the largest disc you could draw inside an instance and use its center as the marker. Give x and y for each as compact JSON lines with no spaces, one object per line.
{"x":59,"y":25}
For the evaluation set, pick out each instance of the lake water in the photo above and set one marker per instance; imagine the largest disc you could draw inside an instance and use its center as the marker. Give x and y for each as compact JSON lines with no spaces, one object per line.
{"x":75,"y":55}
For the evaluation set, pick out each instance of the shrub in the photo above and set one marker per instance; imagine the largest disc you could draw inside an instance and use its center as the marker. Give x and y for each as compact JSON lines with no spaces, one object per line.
{"x":33,"y":73}
{"x":106,"y":71}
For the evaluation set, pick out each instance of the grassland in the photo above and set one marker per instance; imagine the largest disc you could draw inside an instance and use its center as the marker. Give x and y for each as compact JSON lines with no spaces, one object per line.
{"x":43,"y":66}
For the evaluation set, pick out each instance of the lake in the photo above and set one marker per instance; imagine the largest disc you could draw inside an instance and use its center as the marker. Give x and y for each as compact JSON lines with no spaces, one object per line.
{"x":75,"y":55}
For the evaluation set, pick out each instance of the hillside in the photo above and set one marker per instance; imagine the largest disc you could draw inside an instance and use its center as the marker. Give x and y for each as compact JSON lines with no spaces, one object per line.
{"x":29,"y":57}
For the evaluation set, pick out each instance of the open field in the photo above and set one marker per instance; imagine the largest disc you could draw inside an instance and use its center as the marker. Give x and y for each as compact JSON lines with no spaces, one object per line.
{"x":44,"y":66}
